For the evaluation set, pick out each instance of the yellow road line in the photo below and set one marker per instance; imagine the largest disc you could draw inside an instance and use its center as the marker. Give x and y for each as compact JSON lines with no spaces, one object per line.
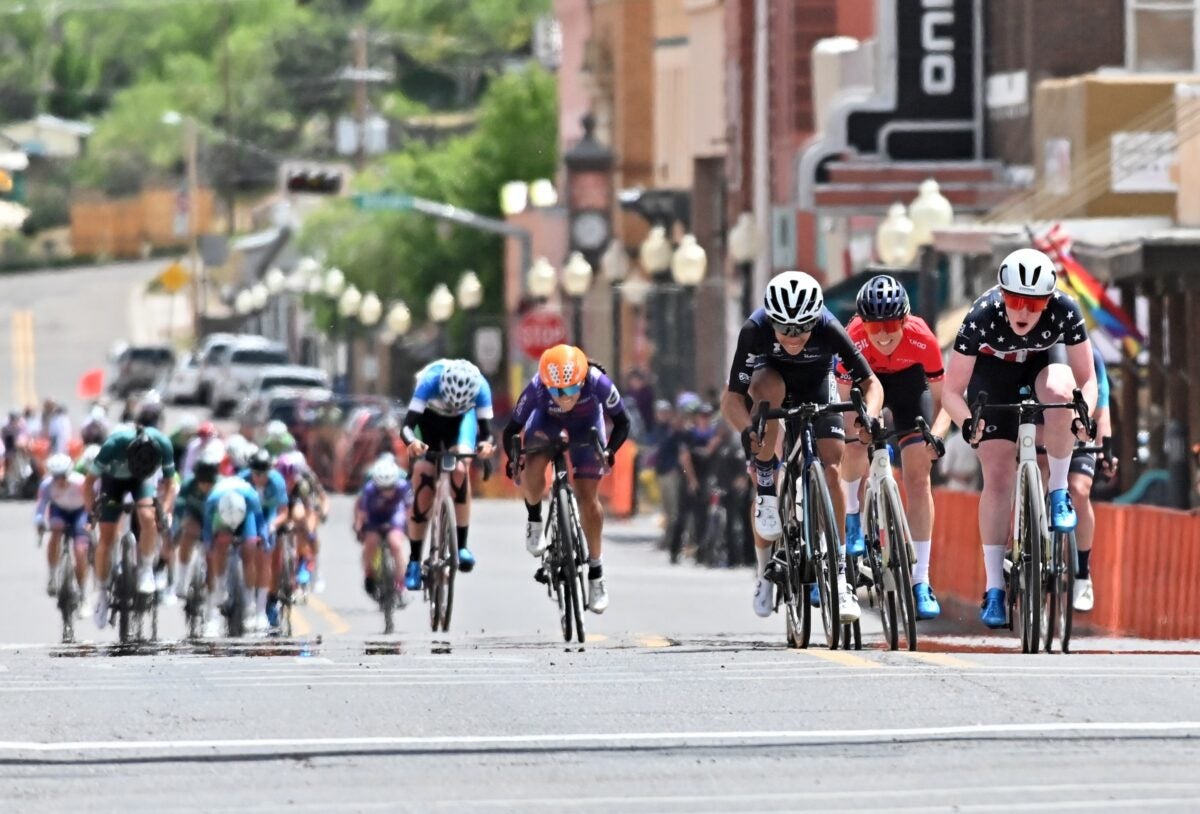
{"x":24,"y":389}
{"x":31,"y":358}
{"x":339,"y":624}
{"x":653,"y":640}
{"x":596,"y":637}
{"x":841,"y":657}
{"x":941,"y":659}
{"x":300,"y":625}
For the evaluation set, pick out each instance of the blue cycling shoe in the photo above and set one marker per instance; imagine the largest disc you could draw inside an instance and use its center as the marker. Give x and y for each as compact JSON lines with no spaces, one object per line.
{"x":992,"y":612}
{"x":927,"y":604}
{"x":273,"y":614}
{"x":814,"y":596}
{"x":303,"y":575}
{"x":412,"y":576}
{"x":466,"y":560}
{"x":1062,"y":511}
{"x":856,"y":546}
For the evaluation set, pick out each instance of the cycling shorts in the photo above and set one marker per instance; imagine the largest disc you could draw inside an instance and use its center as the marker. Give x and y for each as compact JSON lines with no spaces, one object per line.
{"x":114,"y":490}
{"x":803,"y":388}
{"x":1002,"y":381}
{"x":74,"y":521}
{"x":585,"y":463}
{"x":444,"y":432}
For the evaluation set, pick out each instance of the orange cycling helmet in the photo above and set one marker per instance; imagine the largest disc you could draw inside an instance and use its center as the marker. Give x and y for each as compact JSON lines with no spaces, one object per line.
{"x":563,"y":369}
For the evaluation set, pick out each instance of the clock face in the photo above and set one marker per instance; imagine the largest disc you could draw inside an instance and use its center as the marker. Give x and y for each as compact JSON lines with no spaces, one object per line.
{"x":589,"y":230}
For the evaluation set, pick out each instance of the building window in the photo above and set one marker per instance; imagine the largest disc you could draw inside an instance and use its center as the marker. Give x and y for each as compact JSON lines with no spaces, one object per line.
{"x":1160,"y":36}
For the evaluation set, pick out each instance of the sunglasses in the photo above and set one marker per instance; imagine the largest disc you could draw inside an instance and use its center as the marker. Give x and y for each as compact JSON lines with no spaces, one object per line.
{"x":565,"y":392}
{"x":1019,"y":302}
{"x":883,"y":326}
{"x":793,"y":330}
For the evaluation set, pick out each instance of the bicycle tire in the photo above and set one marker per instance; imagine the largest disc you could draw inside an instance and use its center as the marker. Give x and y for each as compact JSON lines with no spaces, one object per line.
{"x":235,"y":581}
{"x":821,"y":527}
{"x":194,"y":605}
{"x":1065,"y":555}
{"x":68,"y":595}
{"x":1029,"y":567}
{"x":900,"y":540}
{"x":386,"y":586}
{"x":449,"y":564}
{"x":127,"y":587}
{"x":581,"y":558}
{"x":883,"y":599}
{"x":570,"y":568}
{"x":283,"y":588}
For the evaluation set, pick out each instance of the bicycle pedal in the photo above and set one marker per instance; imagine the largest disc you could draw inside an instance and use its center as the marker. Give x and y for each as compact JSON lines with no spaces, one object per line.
{"x":541,"y":576}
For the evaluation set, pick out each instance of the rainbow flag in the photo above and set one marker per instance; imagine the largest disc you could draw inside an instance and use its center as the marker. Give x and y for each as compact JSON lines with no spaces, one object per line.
{"x":1099,"y":309}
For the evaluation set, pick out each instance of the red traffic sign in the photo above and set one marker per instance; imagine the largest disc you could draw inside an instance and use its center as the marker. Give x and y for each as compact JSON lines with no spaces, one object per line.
{"x":539,"y":330}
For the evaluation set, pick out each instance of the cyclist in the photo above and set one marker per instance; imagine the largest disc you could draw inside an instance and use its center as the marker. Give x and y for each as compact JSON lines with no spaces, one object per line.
{"x":126,"y":465}
{"x":183,"y":435}
{"x":273,"y":494}
{"x":84,"y":464}
{"x":380,"y":515}
{"x":189,"y":518}
{"x":573,"y":396}
{"x":95,"y":429}
{"x":450,"y":409}
{"x":205,"y":443}
{"x":308,"y":504}
{"x":60,"y":508}
{"x":233,"y":511}
{"x":278,"y":440}
{"x":785,"y":355}
{"x":1021,"y":332}
{"x":905,"y":356}
{"x":1079,"y":481}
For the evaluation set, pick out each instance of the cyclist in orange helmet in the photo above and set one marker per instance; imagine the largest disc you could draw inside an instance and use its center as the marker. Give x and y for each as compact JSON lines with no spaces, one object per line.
{"x":571,"y":395}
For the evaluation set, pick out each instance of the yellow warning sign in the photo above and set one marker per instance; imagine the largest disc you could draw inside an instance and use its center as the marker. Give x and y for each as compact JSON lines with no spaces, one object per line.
{"x":174,"y":278}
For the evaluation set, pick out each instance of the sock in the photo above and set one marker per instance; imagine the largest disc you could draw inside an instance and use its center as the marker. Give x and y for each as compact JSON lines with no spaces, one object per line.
{"x":1084,"y":571}
{"x":921,"y":566}
{"x":595,"y":568}
{"x":765,"y":471}
{"x":272,"y":599}
{"x":993,"y":565}
{"x":249,"y":598}
{"x":764,"y":557}
{"x":261,"y":603}
{"x":462,"y":536}
{"x":850,"y":490}
{"x":416,"y":547}
{"x":1059,"y":468}
{"x":534,"y":512}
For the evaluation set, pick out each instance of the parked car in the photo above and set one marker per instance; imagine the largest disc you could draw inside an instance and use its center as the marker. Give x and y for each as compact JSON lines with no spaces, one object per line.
{"x":298,"y":377}
{"x":238,"y":366}
{"x":210,"y":353}
{"x":183,"y":386}
{"x":294,"y":407}
{"x":140,"y":367}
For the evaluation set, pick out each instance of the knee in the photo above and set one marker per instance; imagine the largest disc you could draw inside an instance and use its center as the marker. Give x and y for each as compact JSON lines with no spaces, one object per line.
{"x":1081,"y":489}
{"x":767,"y":385}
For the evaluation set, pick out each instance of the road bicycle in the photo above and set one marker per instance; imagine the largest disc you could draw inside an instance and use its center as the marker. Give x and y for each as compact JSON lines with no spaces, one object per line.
{"x":70,"y":594}
{"x":195,"y":598}
{"x":440,"y":568}
{"x":808,"y":549}
{"x":1030,"y":568}
{"x":886,"y":566}
{"x":565,"y":558}
{"x":285,"y":586}
{"x":130,"y":609}
{"x":234,"y":608}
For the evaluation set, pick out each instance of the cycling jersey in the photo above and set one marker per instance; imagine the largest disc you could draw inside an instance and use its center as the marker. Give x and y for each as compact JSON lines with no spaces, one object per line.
{"x":757,"y":347}
{"x":190,"y":502}
{"x":385,"y":509}
{"x":985,"y":329}
{"x":428,"y":394}
{"x":250,"y":528}
{"x":66,"y":495}
{"x":918,"y":347}
{"x":598,"y":395}
{"x":273,"y":495}
{"x":110,"y":460}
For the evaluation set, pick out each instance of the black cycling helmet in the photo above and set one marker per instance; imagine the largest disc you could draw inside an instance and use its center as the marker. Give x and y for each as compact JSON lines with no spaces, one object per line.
{"x":882,"y":297}
{"x":205,"y":472}
{"x":260,"y":461}
{"x":142,"y":456}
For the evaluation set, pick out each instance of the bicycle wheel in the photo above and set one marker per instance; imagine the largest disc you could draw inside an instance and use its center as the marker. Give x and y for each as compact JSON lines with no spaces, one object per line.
{"x":568,"y":546}
{"x":283,"y":587}
{"x":235,"y":581}
{"x":386,"y":585}
{"x":126,"y":587}
{"x":1029,"y":565}
{"x":447,"y":566}
{"x":194,"y":605}
{"x":899,"y":548}
{"x":552,"y":566}
{"x":825,"y":541}
{"x":581,"y":559}
{"x":1066,"y":616}
{"x":68,"y":593}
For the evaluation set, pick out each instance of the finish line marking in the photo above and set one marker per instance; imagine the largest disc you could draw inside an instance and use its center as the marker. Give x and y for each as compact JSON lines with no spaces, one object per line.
{"x":667,"y":738}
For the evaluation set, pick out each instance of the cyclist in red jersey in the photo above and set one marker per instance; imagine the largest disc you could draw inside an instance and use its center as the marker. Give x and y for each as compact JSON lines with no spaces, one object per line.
{"x":903,"y":353}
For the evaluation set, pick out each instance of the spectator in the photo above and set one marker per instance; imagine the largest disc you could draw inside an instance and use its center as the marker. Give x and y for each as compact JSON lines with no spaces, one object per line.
{"x":638,"y":389}
{"x":663,"y":442}
{"x":58,"y":431}
{"x":698,"y":443}
{"x":33,"y":422}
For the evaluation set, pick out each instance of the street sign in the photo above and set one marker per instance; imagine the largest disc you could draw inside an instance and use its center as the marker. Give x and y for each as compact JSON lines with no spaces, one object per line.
{"x":383,"y":202}
{"x":539,"y":330}
{"x":174,"y":278}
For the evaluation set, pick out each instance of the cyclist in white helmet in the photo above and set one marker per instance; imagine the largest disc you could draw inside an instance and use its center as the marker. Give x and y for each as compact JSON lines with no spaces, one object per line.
{"x":60,"y":509}
{"x":234,"y":510}
{"x":785,"y":355}
{"x":450,"y":410}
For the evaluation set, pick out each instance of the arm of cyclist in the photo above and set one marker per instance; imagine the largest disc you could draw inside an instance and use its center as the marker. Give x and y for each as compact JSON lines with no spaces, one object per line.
{"x":618,"y":436}
{"x":485,"y":445}
{"x":941,"y":418}
{"x":1083,"y":366}
{"x":511,"y":431}
{"x":43,"y":503}
{"x":735,"y":399}
{"x":954,"y":400}
{"x":408,"y":432}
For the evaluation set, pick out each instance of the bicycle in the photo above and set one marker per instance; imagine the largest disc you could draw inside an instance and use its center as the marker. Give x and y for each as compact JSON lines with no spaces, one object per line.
{"x":197,"y":592}
{"x":384,"y":570}
{"x":887,"y":564}
{"x":285,"y":591}
{"x":441,"y":564}
{"x":70,"y":595}
{"x":234,"y":608}
{"x":126,"y":605}
{"x":563,"y":563}
{"x":808,"y":549}
{"x":1029,"y":568}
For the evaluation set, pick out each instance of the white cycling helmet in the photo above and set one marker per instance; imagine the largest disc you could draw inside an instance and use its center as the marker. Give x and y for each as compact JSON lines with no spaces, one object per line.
{"x":1028,"y":272}
{"x":794,"y":299}
{"x":231,"y":508}
{"x":460,"y":384}
{"x":98,"y":413}
{"x":188,"y":424}
{"x":276,"y":429}
{"x":58,"y":465}
{"x":385,"y":474}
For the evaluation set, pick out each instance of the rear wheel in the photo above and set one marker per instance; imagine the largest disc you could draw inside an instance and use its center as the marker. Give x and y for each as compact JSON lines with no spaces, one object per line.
{"x":825,"y":541}
{"x":126,"y":588}
{"x":1070,"y":560}
{"x":68,"y":593}
{"x":236,"y":603}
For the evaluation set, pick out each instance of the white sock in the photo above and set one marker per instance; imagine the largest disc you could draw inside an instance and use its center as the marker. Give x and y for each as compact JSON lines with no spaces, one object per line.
{"x":993,"y":565}
{"x":764,"y":557}
{"x":249,"y":598}
{"x":850,"y":490}
{"x":921,"y":566}
{"x":1059,"y":469}
{"x":262,"y":601}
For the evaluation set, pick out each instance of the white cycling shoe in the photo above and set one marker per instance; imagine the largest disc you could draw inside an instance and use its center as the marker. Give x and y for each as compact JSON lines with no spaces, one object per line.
{"x":536,"y":543}
{"x":848,"y":610}
{"x":1084,"y":599}
{"x":764,"y":597}
{"x":146,"y":582}
{"x":767,"y":524}
{"x":598,"y":595}
{"x":100,"y":614}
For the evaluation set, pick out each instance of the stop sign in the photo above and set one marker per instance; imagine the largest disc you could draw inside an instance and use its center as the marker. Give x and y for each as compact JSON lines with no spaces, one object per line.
{"x":539,"y":330}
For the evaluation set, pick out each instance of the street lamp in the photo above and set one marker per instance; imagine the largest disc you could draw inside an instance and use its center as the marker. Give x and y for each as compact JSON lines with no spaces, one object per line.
{"x":275,"y":280}
{"x":688,"y":265}
{"x":542,"y":193}
{"x":541,"y":279}
{"x":350,"y":302}
{"x":894,"y":238}
{"x":441,"y":304}
{"x":655,"y":251}
{"x":577,"y":279}
{"x":370,"y":310}
{"x":636,"y":289}
{"x":614,"y":263}
{"x":316,"y":284}
{"x":689,"y":262}
{"x":191,"y":150}
{"x":743,"y":248}
{"x":514,"y":197}
{"x":335,"y":283}
{"x":470,"y":291}
{"x":243,"y":303}
{"x":399,"y":319}
{"x":259,"y":296}
{"x":930,"y":210}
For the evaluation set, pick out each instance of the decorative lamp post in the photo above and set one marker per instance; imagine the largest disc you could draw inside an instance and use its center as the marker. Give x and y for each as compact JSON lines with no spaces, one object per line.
{"x":399,"y":319}
{"x":470,"y":291}
{"x":589,"y":167}
{"x":541,"y":279}
{"x":275,"y":280}
{"x":350,"y":302}
{"x":335,"y":283}
{"x":243,"y":303}
{"x":577,"y":279}
{"x":655,"y":251}
{"x":542,"y":193}
{"x":259,"y":296}
{"x":441,"y":304}
{"x":743,"y":248}
{"x":689,"y":262}
{"x":688,"y":266}
{"x":514,"y":197}
{"x":636,"y":289}
{"x":614,"y":264}
{"x":894,"y":238}
{"x":930,"y":210}
{"x":371,"y":310}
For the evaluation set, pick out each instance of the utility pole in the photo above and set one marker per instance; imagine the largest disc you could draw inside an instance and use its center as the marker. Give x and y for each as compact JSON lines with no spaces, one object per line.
{"x":360,"y":95}
{"x":231,"y":162}
{"x":191,"y":138}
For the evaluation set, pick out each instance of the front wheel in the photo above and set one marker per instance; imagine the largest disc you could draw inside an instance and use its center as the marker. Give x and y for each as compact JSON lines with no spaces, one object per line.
{"x":1028,"y":566}
{"x":824,"y":541}
{"x":569,"y":545}
{"x":899,"y":548}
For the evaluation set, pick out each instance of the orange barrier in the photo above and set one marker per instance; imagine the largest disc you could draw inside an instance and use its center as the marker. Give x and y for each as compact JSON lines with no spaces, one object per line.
{"x":1145,"y":565}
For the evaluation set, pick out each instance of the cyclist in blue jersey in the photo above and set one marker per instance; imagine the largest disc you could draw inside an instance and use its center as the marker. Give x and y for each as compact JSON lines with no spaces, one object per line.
{"x":451,"y":411}
{"x":232,"y":511}
{"x":273,"y":493}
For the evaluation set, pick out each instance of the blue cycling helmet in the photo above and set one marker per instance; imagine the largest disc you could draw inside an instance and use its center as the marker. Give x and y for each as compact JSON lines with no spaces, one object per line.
{"x":882,"y":297}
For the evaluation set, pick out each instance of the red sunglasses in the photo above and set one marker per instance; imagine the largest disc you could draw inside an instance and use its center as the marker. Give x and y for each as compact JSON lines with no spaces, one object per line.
{"x":883,"y":326}
{"x":1019,"y":302}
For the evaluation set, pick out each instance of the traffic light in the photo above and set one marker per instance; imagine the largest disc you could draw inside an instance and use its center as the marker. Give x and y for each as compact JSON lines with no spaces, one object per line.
{"x":315,"y":182}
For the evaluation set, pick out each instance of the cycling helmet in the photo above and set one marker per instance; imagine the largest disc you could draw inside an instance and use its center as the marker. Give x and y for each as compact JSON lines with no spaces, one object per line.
{"x":260,"y":461}
{"x":1028,"y":272}
{"x":460,"y":384}
{"x":149,"y":414}
{"x":276,"y":429}
{"x":188,"y":424}
{"x":231,"y":507}
{"x":385,"y":474}
{"x":98,"y":413}
{"x":58,"y":465}
{"x":793,"y":300}
{"x":205,"y":472}
{"x":882,"y":298}
{"x":206,"y":430}
{"x":142,"y":456}
{"x":563,"y":367}
{"x":241,"y":454}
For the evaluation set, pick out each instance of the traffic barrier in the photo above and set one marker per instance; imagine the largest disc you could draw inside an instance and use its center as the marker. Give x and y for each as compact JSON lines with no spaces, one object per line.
{"x":1145,"y":566}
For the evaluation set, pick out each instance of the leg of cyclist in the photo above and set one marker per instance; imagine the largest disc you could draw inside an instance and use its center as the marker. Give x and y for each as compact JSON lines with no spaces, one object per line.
{"x":995,"y":509}
{"x":424,"y":480}
{"x":587,"y":493}
{"x":371,"y":541}
{"x":1083,"y":468}
{"x":189,"y":533}
{"x":854,"y":467}
{"x":147,"y":543}
{"x":1055,"y":384}
{"x":83,"y":541}
{"x":830,"y":450}
{"x":304,"y":545}
{"x":460,"y":491}
{"x":766,"y":385}
{"x":395,"y":541}
{"x":317,"y":509}
{"x":108,"y":505}
{"x":917,"y":466}
{"x":52,"y":555}
{"x":533,"y":488}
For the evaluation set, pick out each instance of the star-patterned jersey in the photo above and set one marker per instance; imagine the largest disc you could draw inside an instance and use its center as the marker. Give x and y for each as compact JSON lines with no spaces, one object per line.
{"x":428,"y":394}
{"x":598,"y":393}
{"x":985,"y":329}
{"x":918,"y":347}
{"x":758,"y":347}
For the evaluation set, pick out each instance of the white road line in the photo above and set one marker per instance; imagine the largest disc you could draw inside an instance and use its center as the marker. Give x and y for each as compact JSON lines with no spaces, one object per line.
{"x":669,"y":738}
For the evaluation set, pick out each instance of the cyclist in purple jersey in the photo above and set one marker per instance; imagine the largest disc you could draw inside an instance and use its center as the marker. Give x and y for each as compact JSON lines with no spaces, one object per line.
{"x":381,"y":513}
